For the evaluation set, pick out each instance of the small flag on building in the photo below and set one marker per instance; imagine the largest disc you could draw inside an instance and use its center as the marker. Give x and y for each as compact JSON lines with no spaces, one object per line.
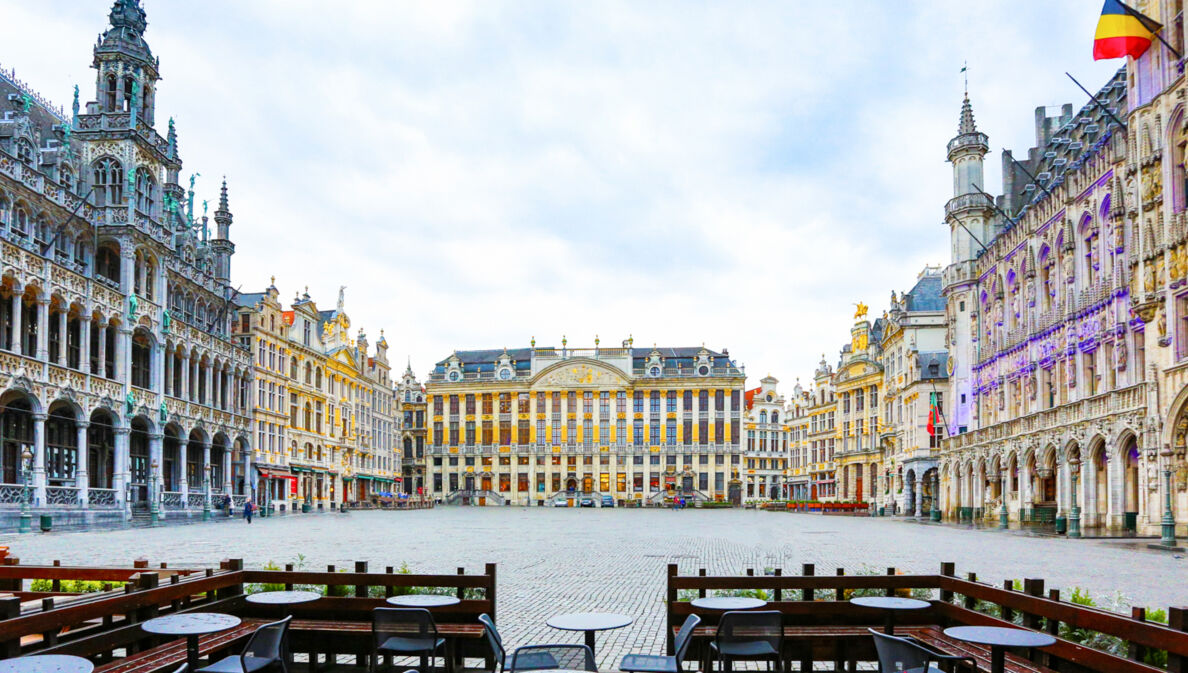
{"x":933,"y":416}
{"x":1122,"y":31}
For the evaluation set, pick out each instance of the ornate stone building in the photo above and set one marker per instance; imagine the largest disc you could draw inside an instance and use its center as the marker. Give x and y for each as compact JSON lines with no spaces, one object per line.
{"x":914,"y":372}
{"x":122,"y":392}
{"x":819,"y":444}
{"x":546,"y":425}
{"x":857,"y":383}
{"x":325,"y":412}
{"x":766,"y":451}
{"x":410,"y":396}
{"x":1053,"y":369}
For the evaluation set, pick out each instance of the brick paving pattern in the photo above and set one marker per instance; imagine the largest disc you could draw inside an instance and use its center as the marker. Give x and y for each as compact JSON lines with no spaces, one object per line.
{"x":553,"y":561}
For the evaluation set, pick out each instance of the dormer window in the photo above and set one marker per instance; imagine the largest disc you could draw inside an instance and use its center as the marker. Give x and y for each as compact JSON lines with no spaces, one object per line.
{"x":703,"y":370}
{"x":654,"y":371}
{"x":505,"y":373}
{"x":454,"y":376}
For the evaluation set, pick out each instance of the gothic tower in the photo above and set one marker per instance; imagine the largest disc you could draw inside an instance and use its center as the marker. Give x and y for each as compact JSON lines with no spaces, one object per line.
{"x":968,"y":215}
{"x":126,"y":68}
{"x":221,"y":246}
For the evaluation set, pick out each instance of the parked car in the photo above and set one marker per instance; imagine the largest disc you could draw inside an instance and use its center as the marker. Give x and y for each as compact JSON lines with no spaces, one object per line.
{"x":587,"y":502}
{"x":608,"y":501}
{"x":560,"y":502}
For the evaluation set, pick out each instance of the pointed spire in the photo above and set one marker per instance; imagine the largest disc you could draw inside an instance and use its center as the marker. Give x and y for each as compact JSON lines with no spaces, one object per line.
{"x":223,"y":195}
{"x":128,"y":14}
{"x":966,"y":124}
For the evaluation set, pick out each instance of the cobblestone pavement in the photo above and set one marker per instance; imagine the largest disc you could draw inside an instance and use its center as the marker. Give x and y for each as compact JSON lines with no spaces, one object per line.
{"x":553,"y":561}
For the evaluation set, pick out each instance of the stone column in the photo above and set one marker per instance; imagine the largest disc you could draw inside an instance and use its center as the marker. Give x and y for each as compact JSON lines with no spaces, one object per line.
{"x":168,"y":370}
{"x":18,"y":304}
{"x":39,"y":480}
{"x":183,"y":457}
{"x":158,"y":364}
{"x":208,"y":373}
{"x":227,"y":470}
{"x":194,"y":373}
{"x":103,"y":350}
{"x":206,"y":470}
{"x":154,"y":480}
{"x":919,"y":494}
{"x":84,"y":344}
{"x":122,"y":463}
{"x":43,"y":304}
{"x":62,"y":337}
{"x":80,"y":470}
{"x":123,"y":368}
{"x":184,"y":393}
{"x":1111,"y":512}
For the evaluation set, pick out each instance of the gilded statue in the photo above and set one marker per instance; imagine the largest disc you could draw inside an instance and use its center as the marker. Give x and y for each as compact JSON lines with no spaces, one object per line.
{"x":1177,"y":263}
{"x":1149,"y":279}
{"x":1162,"y":323}
{"x":860,"y":311}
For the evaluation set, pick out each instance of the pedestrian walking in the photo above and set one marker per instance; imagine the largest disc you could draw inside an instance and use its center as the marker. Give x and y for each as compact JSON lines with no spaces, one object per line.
{"x":247,"y":510}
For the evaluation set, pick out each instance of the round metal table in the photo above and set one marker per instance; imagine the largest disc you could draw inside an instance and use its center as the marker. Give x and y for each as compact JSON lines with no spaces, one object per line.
{"x":191,"y":625}
{"x":589,"y":622}
{"x":889,"y":605}
{"x":727,"y":603}
{"x":422,"y":601}
{"x":46,"y":663}
{"x":283,"y":599}
{"x":999,"y":638}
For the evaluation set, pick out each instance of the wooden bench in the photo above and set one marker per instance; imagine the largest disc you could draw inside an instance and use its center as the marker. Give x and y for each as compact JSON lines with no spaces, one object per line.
{"x":173,"y":653}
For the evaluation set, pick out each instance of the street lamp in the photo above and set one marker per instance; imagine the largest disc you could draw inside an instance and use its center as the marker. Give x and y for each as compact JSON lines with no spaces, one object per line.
{"x":935,"y":514}
{"x":206,"y":515}
{"x":1074,"y":517}
{"x":154,"y":513}
{"x":1003,"y":514}
{"x":1168,"y":526}
{"x":26,"y":524}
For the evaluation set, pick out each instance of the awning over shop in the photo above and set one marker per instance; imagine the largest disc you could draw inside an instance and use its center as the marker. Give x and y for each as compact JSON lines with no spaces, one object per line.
{"x":273,"y":472}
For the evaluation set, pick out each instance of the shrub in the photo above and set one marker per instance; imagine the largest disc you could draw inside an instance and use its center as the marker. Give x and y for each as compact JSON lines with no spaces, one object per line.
{"x":266,"y":586}
{"x":70,"y":586}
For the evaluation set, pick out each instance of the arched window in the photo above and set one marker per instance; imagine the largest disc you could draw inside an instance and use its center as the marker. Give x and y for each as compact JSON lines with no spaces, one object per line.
{"x":762,"y":416}
{"x":127,"y":102}
{"x":5,"y":212}
{"x":24,"y":150}
{"x":308,"y":374}
{"x":107,"y":262}
{"x":141,"y":360}
{"x":41,"y":232}
{"x":20,"y":223}
{"x":107,"y":177}
{"x":775,"y":417}
{"x":146,"y":192}
{"x":200,"y":315}
{"x":146,"y":104}
{"x":308,"y":416}
{"x":293,"y":368}
{"x":66,"y":178}
{"x":111,"y":94}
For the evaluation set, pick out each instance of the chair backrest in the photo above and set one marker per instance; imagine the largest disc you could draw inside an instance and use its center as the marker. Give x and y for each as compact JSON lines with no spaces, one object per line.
{"x":898,"y":654}
{"x":181,"y":669}
{"x":683,"y":637}
{"x":543,"y":657}
{"x":749,"y":625}
{"x":407,"y":622}
{"x":493,"y":639}
{"x":270,"y":641}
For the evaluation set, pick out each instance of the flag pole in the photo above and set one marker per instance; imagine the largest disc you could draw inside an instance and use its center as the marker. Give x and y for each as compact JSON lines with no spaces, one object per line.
{"x":1026,"y":172}
{"x":1099,"y":103}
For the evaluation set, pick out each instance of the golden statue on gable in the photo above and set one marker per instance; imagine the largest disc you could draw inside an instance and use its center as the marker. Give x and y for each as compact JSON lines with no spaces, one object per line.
{"x":860,"y":311}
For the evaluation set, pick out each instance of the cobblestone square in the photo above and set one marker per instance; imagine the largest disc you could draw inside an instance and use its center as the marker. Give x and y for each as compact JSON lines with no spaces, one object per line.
{"x":552,"y":561}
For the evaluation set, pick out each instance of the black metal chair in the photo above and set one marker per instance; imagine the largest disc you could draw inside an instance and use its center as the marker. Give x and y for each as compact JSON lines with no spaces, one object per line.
{"x":749,"y":636}
{"x":656,"y":663}
{"x":543,"y":657}
{"x":404,"y":632}
{"x":906,"y":654}
{"x":268,"y":646}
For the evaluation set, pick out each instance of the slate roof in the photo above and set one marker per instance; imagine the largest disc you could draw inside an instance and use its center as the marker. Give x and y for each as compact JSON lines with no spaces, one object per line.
{"x":926,"y":295}
{"x":928,"y":358}
{"x":248,"y":299}
{"x":484,"y":360}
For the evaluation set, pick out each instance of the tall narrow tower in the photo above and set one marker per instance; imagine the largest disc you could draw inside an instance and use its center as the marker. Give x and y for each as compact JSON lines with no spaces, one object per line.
{"x":968,"y":215}
{"x":221,"y":245}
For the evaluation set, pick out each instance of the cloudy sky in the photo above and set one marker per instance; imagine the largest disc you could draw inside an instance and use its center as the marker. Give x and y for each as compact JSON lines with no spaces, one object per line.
{"x":479,"y":173}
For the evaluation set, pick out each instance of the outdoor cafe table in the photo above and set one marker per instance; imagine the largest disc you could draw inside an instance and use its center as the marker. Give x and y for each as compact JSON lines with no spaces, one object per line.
{"x":283,"y":598}
{"x":191,"y":625}
{"x":999,"y":638}
{"x":423,"y":601}
{"x":589,"y":622}
{"x":727,"y":603}
{"x":46,"y":663}
{"x":889,"y":605}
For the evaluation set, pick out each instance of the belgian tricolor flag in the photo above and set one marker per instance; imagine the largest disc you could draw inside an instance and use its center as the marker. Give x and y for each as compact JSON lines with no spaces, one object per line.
{"x":1122,"y":31}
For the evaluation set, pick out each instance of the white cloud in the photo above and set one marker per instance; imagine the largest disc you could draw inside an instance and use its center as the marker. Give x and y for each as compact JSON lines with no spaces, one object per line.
{"x":478,"y":173}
